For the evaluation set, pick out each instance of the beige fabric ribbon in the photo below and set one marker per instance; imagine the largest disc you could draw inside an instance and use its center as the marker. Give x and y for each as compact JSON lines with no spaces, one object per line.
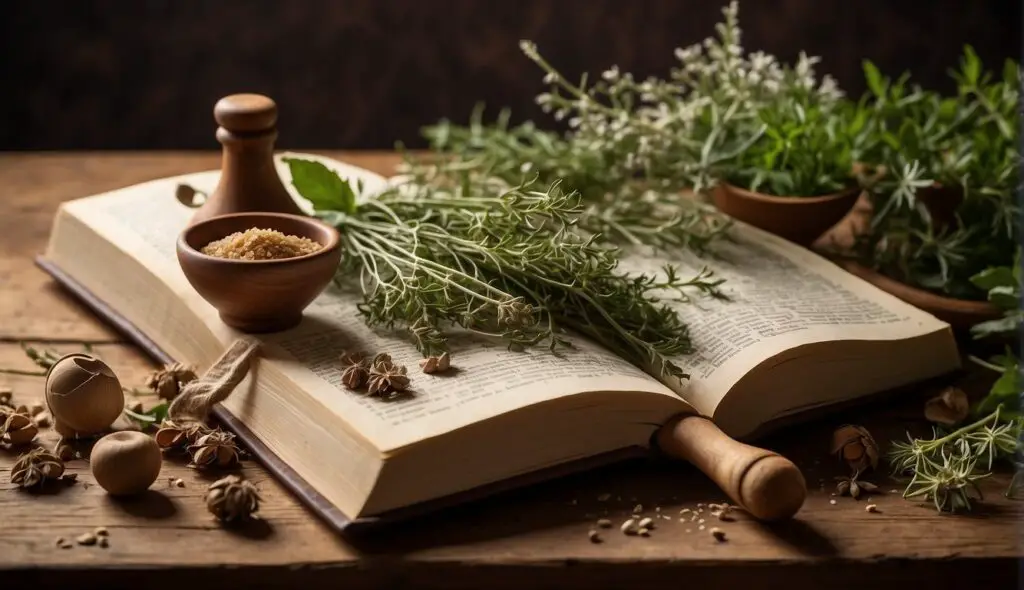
{"x":198,"y":397}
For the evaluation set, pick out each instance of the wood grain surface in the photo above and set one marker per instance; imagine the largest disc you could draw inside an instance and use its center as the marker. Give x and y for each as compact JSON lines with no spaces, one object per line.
{"x":531,"y":538}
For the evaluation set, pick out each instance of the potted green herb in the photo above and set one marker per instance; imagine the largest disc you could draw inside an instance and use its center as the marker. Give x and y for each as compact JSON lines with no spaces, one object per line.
{"x":944,"y":209}
{"x":798,"y":179}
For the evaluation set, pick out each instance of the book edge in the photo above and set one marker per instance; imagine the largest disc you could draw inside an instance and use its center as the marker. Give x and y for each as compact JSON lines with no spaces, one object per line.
{"x":295,"y":483}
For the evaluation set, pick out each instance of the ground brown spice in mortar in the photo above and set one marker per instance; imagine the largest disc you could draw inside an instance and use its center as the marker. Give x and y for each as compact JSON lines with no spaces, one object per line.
{"x":260,"y":244}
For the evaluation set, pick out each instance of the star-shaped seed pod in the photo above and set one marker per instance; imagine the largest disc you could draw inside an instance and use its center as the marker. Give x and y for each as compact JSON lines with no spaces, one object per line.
{"x":215,"y":449}
{"x":17,"y":428}
{"x":232,"y":499}
{"x":167,"y":382}
{"x":856,"y":446}
{"x":35,"y":467}
{"x":386,"y":377}
{"x":173,"y":436}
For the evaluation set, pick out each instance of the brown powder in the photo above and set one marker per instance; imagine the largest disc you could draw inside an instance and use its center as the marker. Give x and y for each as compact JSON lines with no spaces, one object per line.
{"x":260,"y":244}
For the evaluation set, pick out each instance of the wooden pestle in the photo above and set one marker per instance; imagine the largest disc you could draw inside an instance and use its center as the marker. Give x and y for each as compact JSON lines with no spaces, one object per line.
{"x":249,"y":181}
{"x":765,"y":484}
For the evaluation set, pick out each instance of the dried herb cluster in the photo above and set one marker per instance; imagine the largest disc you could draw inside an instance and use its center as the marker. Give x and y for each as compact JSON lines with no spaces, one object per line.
{"x":232,"y":499}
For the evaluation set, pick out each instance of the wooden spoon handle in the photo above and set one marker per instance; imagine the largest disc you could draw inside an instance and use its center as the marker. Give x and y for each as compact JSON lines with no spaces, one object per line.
{"x":767,"y":485}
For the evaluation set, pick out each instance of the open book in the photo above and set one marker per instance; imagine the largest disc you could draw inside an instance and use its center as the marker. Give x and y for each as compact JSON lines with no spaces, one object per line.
{"x":797,"y":333}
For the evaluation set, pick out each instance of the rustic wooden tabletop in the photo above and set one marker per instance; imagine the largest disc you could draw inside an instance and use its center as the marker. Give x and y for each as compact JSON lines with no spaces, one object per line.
{"x":531,"y":538}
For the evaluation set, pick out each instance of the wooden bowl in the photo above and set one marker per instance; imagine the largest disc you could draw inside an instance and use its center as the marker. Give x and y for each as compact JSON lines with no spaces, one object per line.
{"x":797,"y":219}
{"x":259,"y":295}
{"x":961,"y":314}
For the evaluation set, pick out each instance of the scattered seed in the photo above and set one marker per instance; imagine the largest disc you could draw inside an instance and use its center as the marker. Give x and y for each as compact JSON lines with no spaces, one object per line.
{"x":59,"y":541}
{"x":104,"y":543}
{"x":66,"y":545}
{"x":871,"y":508}
{"x":86,"y":539}
{"x":594,"y":536}
{"x":628,"y":527}
{"x":684,"y":511}
{"x":69,"y":478}
{"x":36,"y":409}
{"x":666,"y":517}
{"x":603,"y":497}
{"x":638,"y":509}
{"x":604,"y":523}
{"x":689,"y":530}
{"x":700,"y":510}
{"x":701,"y":528}
{"x":832,"y":502}
{"x":700,"y":504}
{"x":101,"y":531}
{"x":701,"y":521}
{"x":657,"y":508}
{"x":718,"y":534}
{"x":180,"y":483}
{"x":643,"y":532}
{"x":894,"y":491}
{"x":646,"y":523}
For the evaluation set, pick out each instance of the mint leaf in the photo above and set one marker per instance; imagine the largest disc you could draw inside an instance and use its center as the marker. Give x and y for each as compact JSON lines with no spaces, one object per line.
{"x":1004,"y":297}
{"x":993,"y":277}
{"x":321,"y":186}
{"x":874,"y":79}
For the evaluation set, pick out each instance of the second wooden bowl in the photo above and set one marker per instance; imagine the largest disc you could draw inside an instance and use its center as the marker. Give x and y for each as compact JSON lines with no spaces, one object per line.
{"x":961,"y":314}
{"x":797,"y":219}
{"x":259,"y":295}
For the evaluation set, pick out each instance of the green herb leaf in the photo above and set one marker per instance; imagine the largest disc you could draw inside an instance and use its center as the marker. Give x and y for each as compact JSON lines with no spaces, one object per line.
{"x":323,"y":187}
{"x":995,"y":277}
{"x":874,"y":79}
{"x":155,"y":415}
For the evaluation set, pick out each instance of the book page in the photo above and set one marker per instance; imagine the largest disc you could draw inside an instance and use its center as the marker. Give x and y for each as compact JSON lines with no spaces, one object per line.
{"x":780,"y":296}
{"x":144,"y":222}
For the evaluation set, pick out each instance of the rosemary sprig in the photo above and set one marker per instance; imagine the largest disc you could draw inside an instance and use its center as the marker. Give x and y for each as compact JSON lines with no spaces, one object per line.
{"x":945,"y":469}
{"x":503,"y":263}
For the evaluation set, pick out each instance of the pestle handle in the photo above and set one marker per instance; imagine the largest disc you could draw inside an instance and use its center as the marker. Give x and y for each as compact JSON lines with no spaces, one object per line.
{"x":246,"y":113}
{"x":765,"y":484}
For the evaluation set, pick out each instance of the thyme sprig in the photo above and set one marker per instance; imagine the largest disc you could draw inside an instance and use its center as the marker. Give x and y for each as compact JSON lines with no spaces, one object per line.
{"x":946,"y":468}
{"x":502,"y":263}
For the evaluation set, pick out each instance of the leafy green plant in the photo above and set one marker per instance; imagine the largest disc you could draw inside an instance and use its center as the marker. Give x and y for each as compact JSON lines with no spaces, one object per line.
{"x":506,"y":263}
{"x":808,"y":148}
{"x":944,"y":207}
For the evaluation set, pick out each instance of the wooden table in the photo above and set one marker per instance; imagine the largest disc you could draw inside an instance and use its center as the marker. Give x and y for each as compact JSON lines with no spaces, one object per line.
{"x":527,"y":539}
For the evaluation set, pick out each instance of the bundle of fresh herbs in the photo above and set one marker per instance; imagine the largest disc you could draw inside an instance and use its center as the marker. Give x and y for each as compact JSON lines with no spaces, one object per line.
{"x":508,"y":263}
{"x":944,"y":208}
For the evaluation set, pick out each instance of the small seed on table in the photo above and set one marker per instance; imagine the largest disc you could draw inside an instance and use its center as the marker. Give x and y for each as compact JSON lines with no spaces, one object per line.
{"x":604,"y":523}
{"x":646,"y":523}
{"x":86,"y":539}
{"x":644,"y":532}
{"x":101,"y":531}
{"x":718,"y":534}
{"x":628,"y":527}
{"x":594,"y":536}
{"x":871,"y":508}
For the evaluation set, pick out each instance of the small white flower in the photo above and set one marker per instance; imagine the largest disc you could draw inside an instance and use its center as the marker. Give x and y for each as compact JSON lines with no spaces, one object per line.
{"x":611,"y":73}
{"x":550,"y":78}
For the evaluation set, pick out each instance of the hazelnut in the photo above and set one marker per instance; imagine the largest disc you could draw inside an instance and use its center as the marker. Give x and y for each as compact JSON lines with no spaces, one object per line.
{"x":126,"y":462}
{"x":83,"y":394}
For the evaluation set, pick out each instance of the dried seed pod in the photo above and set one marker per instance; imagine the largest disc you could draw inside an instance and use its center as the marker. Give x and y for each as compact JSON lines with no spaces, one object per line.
{"x":172,"y":436}
{"x":125,"y":463}
{"x":168,"y":382}
{"x":18,"y":429}
{"x":386,"y":377}
{"x":354,"y":376}
{"x":949,"y":407}
{"x":231,"y":499}
{"x":36,"y":467}
{"x":429,"y":365}
{"x":856,"y":446}
{"x":349,"y":359}
{"x":83,"y":393}
{"x":217,"y":448}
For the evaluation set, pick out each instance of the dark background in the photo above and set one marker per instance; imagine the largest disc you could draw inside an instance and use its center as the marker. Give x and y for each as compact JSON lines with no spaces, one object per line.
{"x":365,"y":73}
